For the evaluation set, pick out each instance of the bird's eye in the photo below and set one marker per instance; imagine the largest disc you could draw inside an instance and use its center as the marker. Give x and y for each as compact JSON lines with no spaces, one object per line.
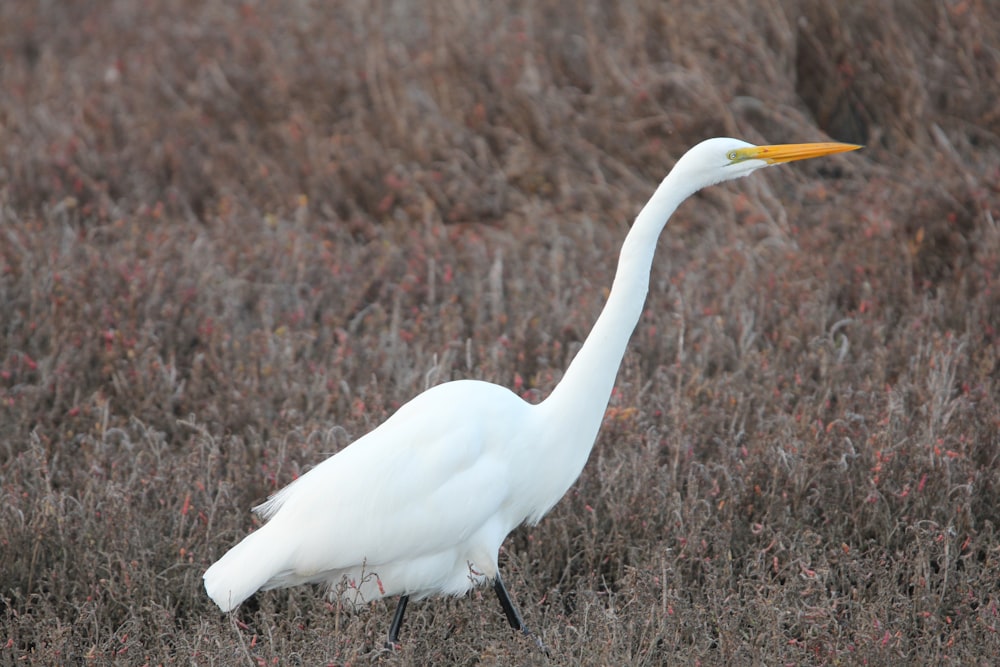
{"x":732,"y":155}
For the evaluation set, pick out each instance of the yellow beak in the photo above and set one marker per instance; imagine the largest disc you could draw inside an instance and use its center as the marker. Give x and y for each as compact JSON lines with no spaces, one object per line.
{"x":779,"y":153}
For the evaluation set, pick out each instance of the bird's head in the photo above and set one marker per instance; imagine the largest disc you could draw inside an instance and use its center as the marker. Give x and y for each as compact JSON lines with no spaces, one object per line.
{"x":723,"y":159}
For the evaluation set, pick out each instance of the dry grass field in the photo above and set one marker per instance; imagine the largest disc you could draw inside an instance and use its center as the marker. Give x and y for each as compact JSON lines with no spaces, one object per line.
{"x":234,"y":236}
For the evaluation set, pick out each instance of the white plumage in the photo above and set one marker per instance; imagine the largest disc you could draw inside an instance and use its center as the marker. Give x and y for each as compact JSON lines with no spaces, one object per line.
{"x":420,"y":505}
{"x":409,"y":505}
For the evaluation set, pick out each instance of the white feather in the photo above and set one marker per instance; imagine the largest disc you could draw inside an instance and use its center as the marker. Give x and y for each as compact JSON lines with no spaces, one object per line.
{"x":420,"y":505}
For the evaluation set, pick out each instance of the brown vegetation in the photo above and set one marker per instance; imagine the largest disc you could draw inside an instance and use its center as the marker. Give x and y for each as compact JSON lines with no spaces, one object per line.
{"x":236,"y":236}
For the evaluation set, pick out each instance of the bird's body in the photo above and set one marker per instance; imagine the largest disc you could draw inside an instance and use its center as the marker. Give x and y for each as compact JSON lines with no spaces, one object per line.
{"x":404,"y":510}
{"x":420,"y":505}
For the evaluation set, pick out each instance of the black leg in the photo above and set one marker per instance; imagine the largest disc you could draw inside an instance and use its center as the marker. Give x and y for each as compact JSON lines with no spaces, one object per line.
{"x":397,"y":621}
{"x":513,"y":616}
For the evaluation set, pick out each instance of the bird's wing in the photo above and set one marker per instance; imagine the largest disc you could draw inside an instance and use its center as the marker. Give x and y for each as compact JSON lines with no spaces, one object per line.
{"x":423,"y":481}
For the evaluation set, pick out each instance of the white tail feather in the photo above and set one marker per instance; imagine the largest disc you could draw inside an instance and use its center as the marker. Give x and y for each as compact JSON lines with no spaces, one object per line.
{"x":246,"y":568}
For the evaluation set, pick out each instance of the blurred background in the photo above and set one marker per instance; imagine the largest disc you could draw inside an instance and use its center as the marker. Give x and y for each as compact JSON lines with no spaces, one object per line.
{"x":235,"y":236}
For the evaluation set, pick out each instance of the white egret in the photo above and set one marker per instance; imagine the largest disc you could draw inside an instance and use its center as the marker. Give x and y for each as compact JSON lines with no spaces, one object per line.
{"x":420,"y":505}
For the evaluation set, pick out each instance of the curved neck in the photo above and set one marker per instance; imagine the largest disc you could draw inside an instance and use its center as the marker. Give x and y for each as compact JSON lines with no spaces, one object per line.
{"x":583,"y":393}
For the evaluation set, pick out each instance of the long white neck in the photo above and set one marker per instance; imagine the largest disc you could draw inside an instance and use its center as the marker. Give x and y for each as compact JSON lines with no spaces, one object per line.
{"x":582,"y":396}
